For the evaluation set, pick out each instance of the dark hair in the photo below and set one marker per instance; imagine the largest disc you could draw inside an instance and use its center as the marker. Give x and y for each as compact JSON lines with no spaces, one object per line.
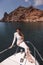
{"x":20,"y":32}
{"x":19,"y":29}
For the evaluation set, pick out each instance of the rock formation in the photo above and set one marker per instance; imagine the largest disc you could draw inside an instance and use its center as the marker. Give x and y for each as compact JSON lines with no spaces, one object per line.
{"x":24,"y":14}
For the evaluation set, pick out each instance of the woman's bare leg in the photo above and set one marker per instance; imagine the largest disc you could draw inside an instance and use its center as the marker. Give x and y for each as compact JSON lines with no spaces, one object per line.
{"x":29,"y":56}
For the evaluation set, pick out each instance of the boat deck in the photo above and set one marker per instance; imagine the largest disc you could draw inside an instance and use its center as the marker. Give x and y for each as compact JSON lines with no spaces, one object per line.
{"x":15,"y":60}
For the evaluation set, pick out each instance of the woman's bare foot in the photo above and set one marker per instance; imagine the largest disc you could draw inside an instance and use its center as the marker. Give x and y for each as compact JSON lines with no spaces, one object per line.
{"x":29,"y":58}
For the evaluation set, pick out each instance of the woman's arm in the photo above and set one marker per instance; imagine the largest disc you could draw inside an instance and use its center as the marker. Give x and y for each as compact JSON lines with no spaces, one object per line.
{"x":13,"y":41}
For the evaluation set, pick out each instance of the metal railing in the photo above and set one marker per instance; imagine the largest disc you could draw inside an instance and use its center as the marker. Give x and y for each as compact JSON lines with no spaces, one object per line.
{"x":35,"y":50}
{"x":6,"y":49}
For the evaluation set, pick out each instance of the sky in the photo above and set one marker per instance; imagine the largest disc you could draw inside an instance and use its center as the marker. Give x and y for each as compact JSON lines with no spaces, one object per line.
{"x":10,"y":5}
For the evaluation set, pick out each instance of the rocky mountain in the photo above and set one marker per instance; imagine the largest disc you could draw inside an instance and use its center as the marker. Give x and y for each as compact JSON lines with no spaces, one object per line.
{"x":29,"y":14}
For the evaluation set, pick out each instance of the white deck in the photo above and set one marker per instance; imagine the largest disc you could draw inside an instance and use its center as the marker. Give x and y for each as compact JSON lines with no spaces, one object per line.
{"x":15,"y":60}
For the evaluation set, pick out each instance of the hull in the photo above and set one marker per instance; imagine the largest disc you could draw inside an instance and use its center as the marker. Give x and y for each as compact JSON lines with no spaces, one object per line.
{"x":15,"y":60}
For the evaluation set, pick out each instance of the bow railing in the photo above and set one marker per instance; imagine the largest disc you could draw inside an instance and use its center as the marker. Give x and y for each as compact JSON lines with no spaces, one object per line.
{"x":35,"y":51}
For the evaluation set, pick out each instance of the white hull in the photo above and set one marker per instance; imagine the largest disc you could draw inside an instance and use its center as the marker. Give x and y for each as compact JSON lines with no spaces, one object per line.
{"x":15,"y":60}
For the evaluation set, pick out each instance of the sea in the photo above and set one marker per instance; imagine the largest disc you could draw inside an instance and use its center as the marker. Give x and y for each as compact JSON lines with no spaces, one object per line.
{"x":33,"y":32}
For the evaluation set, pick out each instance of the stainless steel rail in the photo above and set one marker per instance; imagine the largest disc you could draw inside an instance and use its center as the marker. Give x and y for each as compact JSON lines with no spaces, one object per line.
{"x":5,"y":50}
{"x":35,"y":50}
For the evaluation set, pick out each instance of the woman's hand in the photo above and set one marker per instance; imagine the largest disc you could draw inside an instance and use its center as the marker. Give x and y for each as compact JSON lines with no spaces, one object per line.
{"x":10,"y":47}
{"x":18,"y":44}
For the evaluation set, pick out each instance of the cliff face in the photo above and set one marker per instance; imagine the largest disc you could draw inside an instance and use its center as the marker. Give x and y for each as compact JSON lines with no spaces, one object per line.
{"x":29,"y":14}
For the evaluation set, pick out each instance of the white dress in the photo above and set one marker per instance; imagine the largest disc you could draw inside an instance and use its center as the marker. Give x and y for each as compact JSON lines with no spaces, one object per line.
{"x":20,"y":41}
{"x":15,"y":59}
{"x":22,"y":44}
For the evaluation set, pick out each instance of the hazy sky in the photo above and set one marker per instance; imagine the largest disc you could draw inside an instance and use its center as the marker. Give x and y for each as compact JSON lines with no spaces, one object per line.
{"x":10,"y":5}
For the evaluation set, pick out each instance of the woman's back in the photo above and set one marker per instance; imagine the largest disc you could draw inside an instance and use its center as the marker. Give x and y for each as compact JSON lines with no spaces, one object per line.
{"x":19,"y":38}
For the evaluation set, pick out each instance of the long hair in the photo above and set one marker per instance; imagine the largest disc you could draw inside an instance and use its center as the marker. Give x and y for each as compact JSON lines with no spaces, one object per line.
{"x":20,"y":32}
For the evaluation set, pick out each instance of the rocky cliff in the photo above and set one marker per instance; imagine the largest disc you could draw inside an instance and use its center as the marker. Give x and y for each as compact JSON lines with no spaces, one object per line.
{"x":29,"y":14}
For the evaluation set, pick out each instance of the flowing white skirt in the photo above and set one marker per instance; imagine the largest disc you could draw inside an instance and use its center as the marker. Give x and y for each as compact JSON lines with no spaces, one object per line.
{"x":24,"y":46}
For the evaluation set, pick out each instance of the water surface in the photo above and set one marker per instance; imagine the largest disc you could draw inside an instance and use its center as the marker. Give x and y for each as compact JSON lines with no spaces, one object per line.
{"x":33,"y":32}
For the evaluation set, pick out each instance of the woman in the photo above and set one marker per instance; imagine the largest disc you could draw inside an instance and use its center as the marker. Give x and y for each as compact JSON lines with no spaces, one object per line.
{"x":20,"y":42}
